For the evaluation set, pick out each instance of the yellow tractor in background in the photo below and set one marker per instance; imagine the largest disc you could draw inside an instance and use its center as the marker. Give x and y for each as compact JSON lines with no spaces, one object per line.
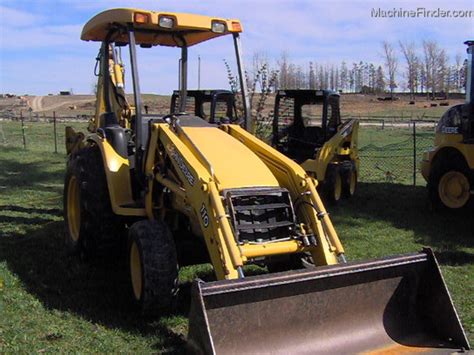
{"x":448,"y":167}
{"x":307,"y":127}
{"x":176,"y":179}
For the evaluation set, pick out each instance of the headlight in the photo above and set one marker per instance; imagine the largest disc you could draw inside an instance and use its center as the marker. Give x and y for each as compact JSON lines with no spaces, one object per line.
{"x":218,"y":27}
{"x":166,"y":22}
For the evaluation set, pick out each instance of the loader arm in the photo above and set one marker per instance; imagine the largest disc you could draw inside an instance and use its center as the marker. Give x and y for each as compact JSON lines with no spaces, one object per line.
{"x":199,"y":187}
{"x":303,"y":190}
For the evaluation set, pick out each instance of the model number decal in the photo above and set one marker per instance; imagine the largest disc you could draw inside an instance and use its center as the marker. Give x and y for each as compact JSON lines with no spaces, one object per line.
{"x":204,"y":215}
{"x":181,"y":164}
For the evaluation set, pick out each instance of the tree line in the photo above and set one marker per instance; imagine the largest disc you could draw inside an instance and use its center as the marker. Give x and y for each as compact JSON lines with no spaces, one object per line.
{"x":423,"y":69}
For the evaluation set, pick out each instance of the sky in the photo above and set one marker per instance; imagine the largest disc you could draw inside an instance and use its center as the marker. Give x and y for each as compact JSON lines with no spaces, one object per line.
{"x":41,"y":51}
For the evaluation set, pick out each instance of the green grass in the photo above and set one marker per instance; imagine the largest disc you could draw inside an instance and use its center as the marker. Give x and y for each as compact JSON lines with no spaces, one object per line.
{"x":51,"y":302}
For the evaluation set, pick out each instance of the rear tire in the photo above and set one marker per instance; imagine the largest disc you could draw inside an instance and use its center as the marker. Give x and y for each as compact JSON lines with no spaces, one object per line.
{"x":153,"y":267}
{"x":88,"y":215}
{"x":449,"y":183}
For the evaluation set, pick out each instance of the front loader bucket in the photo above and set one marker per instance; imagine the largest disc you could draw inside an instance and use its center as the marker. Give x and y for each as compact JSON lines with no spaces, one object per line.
{"x":391,"y":305}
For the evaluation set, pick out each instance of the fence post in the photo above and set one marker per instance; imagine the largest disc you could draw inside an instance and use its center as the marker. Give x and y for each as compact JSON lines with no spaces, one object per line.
{"x":55,"y":133}
{"x":414,"y":153}
{"x":23,"y":129}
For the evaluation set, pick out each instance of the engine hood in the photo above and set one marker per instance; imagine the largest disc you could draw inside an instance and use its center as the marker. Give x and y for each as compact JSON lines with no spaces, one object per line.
{"x":234,"y":165}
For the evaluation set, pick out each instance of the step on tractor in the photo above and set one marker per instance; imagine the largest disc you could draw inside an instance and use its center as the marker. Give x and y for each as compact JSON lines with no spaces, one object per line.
{"x":168,"y":181}
{"x":448,"y":167}
{"x":307,"y":127}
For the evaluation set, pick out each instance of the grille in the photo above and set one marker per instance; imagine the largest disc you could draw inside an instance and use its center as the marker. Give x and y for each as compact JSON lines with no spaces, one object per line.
{"x":261,"y":215}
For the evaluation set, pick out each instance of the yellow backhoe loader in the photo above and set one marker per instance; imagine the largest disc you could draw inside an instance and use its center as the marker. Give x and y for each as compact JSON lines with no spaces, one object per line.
{"x":176,"y":179}
{"x":307,"y":127}
{"x":448,"y":167}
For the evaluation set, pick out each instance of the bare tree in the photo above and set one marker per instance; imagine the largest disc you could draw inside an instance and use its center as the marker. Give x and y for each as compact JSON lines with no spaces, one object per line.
{"x":429,"y":71}
{"x":332,"y":79}
{"x":379,"y":80}
{"x":344,"y":75}
{"x":391,"y":63}
{"x":311,"y":76}
{"x":300,"y":78}
{"x":422,"y":77}
{"x":259,"y":61}
{"x":372,"y":77}
{"x":283,"y":66}
{"x":458,"y":72}
{"x":434,"y":63}
{"x":463,"y":75}
{"x":409,"y":53}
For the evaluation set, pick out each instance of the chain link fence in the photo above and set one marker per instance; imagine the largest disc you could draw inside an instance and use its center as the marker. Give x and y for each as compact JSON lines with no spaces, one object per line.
{"x":393,"y":152}
{"x":390,"y":151}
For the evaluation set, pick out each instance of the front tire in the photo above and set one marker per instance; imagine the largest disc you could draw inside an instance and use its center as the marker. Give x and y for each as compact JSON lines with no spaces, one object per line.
{"x":153,"y":267}
{"x":449,"y":183}
{"x":349,"y":181}
{"x":332,"y":185}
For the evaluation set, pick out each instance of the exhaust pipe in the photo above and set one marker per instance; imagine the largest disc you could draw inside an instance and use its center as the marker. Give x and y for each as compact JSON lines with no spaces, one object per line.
{"x":396,"y":304}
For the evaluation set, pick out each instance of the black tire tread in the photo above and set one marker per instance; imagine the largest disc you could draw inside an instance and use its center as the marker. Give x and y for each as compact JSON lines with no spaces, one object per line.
{"x":329,"y":183}
{"x":99,"y":225}
{"x":159,"y":266}
{"x":441,"y":165}
{"x":348,"y":168}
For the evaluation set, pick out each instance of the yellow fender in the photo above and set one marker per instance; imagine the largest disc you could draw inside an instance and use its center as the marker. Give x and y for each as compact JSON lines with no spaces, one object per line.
{"x":446,"y":141}
{"x":117,"y":172}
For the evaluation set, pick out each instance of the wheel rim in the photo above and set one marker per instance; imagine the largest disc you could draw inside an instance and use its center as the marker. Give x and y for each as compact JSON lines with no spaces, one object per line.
{"x":453,"y":189}
{"x":353,"y":183}
{"x":337,"y":187}
{"x":136,"y":271}
{"x":73,"y":208}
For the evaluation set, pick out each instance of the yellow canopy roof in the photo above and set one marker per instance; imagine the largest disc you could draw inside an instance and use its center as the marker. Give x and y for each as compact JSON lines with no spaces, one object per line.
{"x":193,"y":28}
